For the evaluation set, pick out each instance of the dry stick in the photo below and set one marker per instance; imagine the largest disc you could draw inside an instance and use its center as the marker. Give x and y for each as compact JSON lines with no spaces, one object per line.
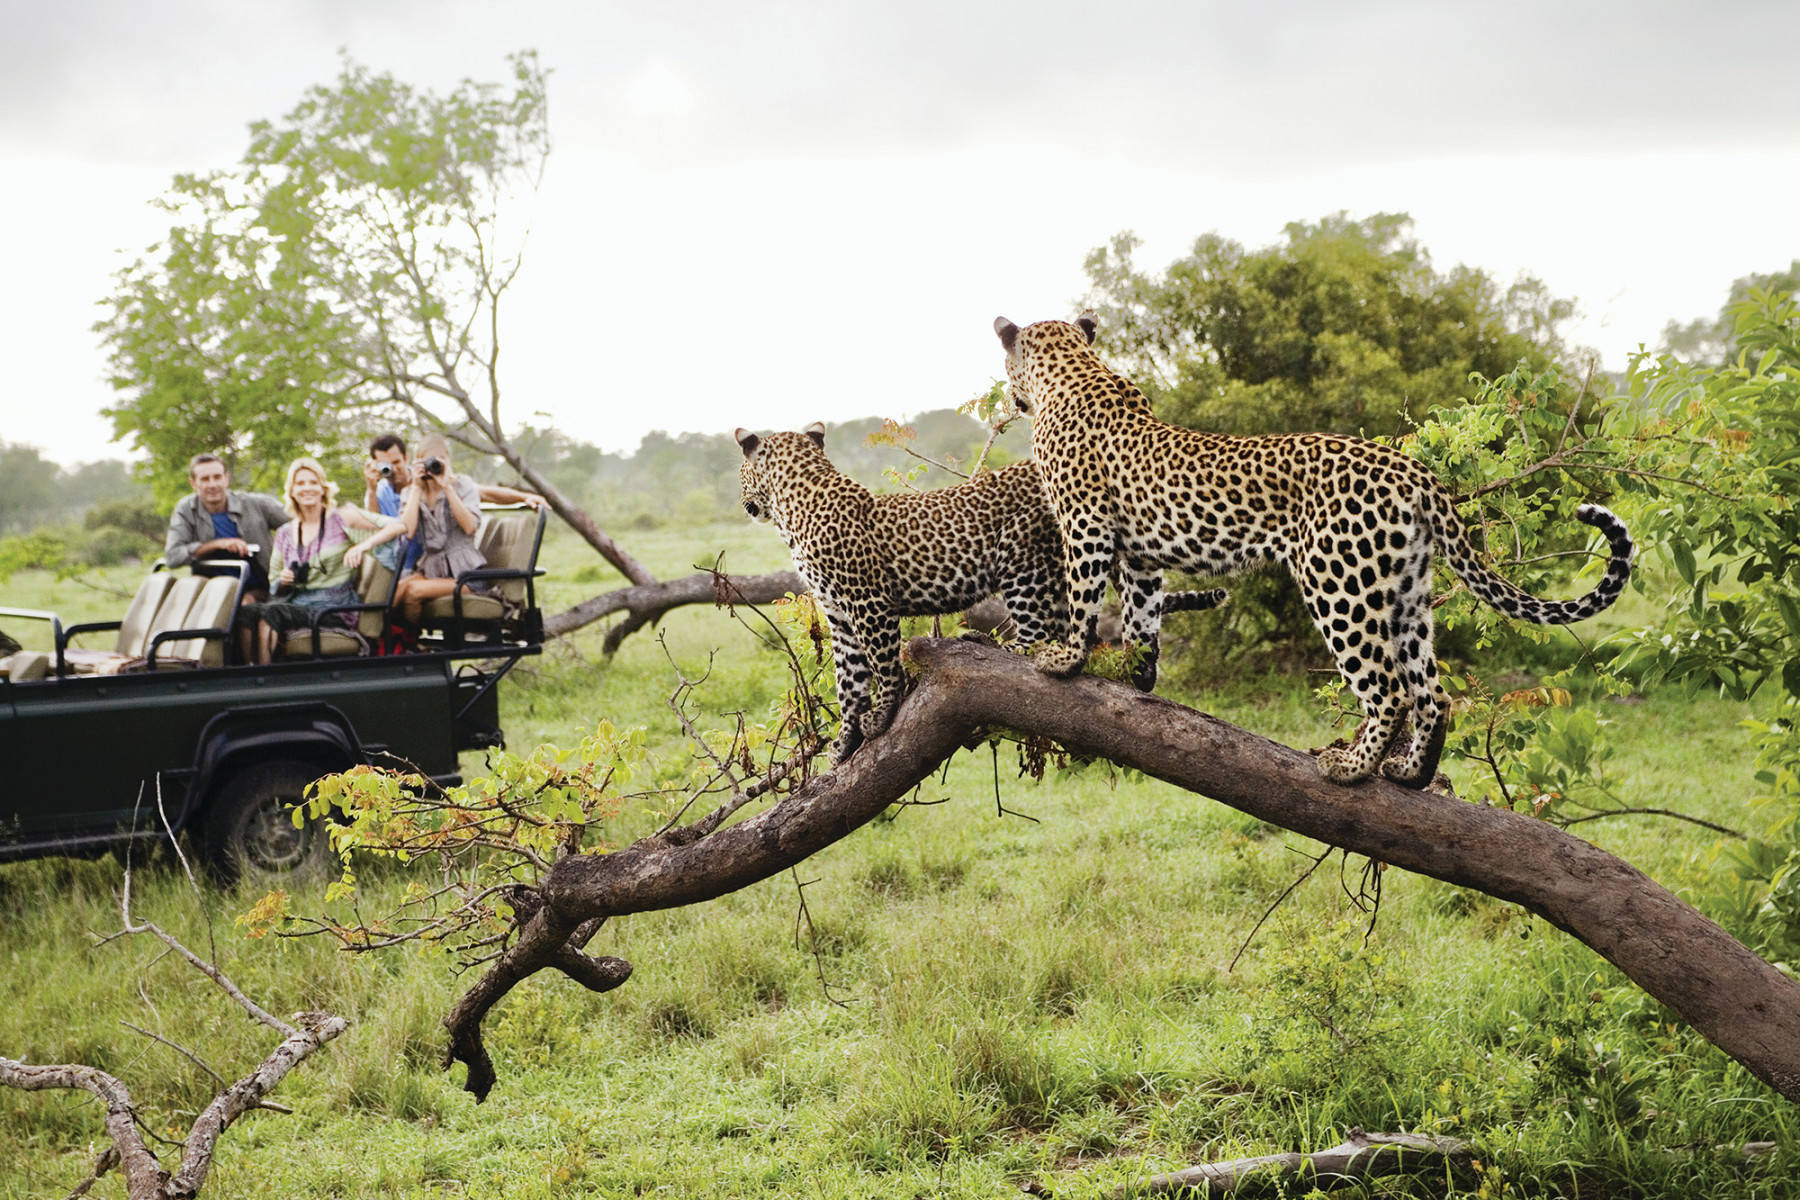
{"x":1359,"y":1156}
{"x":812,"y":936}
{"x":1270,"y":911}
{"x":1731,"y":997}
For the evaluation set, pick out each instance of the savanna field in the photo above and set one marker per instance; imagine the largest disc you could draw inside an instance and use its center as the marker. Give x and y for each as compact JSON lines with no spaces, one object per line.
{"x":974,"y":999}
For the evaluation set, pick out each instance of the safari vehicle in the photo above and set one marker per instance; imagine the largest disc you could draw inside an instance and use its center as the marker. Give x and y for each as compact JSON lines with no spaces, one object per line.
{"x":162,"y":734}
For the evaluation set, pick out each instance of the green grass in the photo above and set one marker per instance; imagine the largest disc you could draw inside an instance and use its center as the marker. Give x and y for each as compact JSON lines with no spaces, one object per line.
{"x":1049,"y":999}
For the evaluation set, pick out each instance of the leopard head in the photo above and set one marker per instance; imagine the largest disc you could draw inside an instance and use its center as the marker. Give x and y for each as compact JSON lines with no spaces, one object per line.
{"x":768,"y":461}
{"x":1025,"y":346}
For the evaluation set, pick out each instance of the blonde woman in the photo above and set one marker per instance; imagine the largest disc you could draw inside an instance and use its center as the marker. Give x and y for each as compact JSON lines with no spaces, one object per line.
{"x":319,"y":553}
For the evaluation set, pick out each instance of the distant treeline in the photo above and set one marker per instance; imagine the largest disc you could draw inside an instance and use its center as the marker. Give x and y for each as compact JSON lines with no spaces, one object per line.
{"x":692,"y":478}
{"x":680,"y":479}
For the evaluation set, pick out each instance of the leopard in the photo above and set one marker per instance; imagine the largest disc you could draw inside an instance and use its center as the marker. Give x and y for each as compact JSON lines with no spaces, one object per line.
{"x":1354,"y":521}
{"x":871,"y":559}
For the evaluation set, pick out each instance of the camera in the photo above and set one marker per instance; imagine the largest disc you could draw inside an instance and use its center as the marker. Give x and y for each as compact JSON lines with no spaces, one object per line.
{"x":434,"y":466}
{"x":385,"y":470}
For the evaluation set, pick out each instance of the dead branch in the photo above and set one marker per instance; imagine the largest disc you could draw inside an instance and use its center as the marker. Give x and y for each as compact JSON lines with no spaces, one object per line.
{"x":646,"y":603}
{"x":145,"y":1178}
{"x":1359,"y":1156}
{"x":1732,"y":997}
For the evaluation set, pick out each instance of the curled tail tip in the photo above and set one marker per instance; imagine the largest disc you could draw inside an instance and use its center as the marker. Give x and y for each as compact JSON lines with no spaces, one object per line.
{"x":1598,"y":515}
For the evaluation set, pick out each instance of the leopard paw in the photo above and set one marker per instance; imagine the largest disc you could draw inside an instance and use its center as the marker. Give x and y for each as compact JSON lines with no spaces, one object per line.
{"x":1340,"y":766}
{"x":1059,"y":659}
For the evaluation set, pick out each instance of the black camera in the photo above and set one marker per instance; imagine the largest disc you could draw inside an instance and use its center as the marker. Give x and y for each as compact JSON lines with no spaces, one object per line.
{"x":302,"y":571}
{"x":434,"y":466}
{"x":385,"y":470}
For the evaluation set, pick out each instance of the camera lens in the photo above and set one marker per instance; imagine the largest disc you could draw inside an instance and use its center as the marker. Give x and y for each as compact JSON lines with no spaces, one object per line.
{"x":434,"y":466}
{"x":386,"y":470}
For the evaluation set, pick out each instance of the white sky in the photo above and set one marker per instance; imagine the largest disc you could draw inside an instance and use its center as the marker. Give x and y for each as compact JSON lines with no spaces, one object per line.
{"x":767,"y":214}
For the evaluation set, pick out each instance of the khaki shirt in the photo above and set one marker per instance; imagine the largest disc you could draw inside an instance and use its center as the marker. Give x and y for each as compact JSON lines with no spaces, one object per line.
{"x":190,"y":525}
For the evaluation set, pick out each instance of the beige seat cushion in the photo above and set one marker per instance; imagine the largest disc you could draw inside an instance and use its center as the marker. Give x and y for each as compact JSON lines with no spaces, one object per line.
{"x":474,"y":608}
{"x":335,"y":642}
{"x":25,"y":665}
{"x":211,"y":609}
{"x":136,"y":624}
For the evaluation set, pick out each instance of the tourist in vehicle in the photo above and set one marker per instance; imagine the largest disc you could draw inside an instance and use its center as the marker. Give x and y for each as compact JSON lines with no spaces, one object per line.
{"x":386,"y":474}
{"x":216,"y":523}
{"x":441,"y":511}
{"x":321,"y":550}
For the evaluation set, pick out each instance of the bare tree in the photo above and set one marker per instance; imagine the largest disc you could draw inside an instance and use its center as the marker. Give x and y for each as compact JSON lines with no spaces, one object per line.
{"x":145,"y":1177}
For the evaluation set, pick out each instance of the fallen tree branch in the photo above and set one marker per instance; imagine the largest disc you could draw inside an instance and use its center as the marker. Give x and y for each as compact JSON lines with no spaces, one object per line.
{"x":1359,"y":1156}
{"x":646,"y":603}
{"x":145,"y":1178}
{"x":1730,"y":996}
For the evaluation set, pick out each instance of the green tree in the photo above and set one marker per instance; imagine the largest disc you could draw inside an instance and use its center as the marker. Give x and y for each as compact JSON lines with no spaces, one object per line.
{"x":1344,"y":326}
{"x":28,"y":488}
{"x":348,"y":274}
{"x":1713,"y":342}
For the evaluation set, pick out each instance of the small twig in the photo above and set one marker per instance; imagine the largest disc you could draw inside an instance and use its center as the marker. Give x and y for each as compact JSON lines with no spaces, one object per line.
{"x":179,"y":1049}
{"x":1270,"y":911}
{"x":104,"y":1162}
{"x":803,"y":913}
{"x":1564,"y":823}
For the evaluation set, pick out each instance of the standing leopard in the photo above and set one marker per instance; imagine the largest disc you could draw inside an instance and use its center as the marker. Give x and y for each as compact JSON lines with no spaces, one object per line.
{"x":1354,"y":522}
{"x":870,"y":560}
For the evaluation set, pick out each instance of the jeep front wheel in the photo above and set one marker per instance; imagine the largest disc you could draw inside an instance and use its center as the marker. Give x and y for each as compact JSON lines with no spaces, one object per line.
{"x":250,"y":830}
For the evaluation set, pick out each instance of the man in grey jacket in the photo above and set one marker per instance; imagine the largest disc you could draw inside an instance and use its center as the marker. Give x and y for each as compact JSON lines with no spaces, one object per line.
{"x":216,"y":522}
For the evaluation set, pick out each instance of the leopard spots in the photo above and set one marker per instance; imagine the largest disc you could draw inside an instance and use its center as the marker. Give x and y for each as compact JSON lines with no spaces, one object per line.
{"x":1354,"y":521}
{"x":870,"y":560}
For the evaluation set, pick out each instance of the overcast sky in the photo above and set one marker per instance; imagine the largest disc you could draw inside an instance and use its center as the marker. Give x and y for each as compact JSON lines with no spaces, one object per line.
{"x":770,"y":213}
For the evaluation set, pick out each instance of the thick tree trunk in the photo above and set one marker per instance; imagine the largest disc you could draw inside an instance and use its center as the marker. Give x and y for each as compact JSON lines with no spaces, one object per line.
{"x":1735,"y":999}
{"x":648,"y":602}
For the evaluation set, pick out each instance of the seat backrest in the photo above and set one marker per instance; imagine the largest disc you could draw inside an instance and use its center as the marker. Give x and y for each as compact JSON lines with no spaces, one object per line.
{"x":374,"y":585}
{"x":172,"y":613}
{"x":212,"y":609}
{"x":149,"y":598}
{"x":506,"y":542}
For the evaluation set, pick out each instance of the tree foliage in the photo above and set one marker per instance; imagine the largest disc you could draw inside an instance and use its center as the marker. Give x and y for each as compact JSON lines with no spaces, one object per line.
{"x":1344,"y":326}
{"x":1712,"y":341}
{"x":347,"y":272}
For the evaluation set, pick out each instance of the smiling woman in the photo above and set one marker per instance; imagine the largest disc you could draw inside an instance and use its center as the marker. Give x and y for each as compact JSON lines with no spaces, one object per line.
{"x":320,"y":551}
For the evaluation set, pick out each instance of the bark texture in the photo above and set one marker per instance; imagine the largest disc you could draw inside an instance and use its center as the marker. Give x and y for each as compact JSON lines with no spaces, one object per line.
{"x":1735,"y":999}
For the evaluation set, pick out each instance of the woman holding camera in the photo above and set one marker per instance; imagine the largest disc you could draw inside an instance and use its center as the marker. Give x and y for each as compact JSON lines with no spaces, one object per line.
{"x":442,"y":511}
{"x":320,"y":550}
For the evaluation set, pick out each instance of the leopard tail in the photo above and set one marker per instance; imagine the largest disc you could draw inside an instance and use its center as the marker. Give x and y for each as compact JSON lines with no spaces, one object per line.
{"x":1453,"y":540}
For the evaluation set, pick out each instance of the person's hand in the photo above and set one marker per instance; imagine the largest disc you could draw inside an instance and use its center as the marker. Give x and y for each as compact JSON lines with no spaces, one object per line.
{"x":532,"y":499}
{"x":353,"y":557}
{"x":237,"y":546}
{"x":371,"y":472}
{"x":286,"y":578}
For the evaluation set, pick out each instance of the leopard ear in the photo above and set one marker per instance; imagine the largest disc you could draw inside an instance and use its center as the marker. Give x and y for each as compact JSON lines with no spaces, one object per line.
{"x":1088,"y":323}
{"x":816,"y":431}
{"x":1009,"y":333}
{"x":749,"y":441}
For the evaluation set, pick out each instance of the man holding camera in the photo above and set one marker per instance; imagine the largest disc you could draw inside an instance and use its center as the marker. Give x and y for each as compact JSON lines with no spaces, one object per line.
{"x":387,"y":473}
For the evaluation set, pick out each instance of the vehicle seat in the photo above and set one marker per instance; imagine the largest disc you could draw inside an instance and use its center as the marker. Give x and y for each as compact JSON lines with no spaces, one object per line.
{"x":25,"y":665}
{"x":133,"y":637}
{"x":508,"y":541}
{"x":375,"y":587}
{"x":213,"y":608}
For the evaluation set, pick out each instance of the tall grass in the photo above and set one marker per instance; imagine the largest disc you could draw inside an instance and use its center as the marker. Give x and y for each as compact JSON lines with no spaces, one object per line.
{"x":980,"y":999}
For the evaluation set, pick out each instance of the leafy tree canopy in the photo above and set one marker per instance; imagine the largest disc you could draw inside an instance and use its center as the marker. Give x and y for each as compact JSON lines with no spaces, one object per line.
{"x":1344,"y":326}
{"x":345,"y":274}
